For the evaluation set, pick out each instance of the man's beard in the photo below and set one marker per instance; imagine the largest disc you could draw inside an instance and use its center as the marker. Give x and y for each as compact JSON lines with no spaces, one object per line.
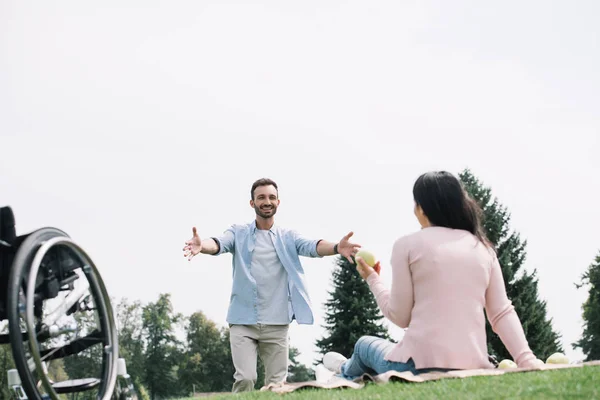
{"x":262,"y":214}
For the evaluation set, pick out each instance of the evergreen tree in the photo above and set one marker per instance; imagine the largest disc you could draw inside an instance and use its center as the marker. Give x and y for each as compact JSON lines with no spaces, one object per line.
{"x":298,"y":372}
{"x":521,"y":285}
{"x":351,"y":311}
{"x":590,"y":340}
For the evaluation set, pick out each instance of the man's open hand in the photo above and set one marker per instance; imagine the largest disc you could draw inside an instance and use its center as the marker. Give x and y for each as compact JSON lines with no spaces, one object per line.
{"x":192,"y":246}
{"x":348,"y":249}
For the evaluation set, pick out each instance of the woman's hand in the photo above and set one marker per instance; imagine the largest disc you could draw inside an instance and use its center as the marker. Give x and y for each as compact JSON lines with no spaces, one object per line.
{"x":365,"y":269}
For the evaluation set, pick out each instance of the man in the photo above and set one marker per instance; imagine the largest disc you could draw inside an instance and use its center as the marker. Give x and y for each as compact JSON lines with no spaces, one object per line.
{"x":268,"y":290}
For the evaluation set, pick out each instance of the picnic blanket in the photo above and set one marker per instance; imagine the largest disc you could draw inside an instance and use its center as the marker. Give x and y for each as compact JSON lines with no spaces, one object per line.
{"x":391,"y":376}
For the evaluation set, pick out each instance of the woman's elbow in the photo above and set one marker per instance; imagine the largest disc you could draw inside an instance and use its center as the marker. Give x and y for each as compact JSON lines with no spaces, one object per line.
{"x":496,"y":317}
{"x":400,"y":319}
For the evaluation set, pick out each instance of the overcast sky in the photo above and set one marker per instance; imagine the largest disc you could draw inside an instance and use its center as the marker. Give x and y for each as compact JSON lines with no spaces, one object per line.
{"x":125,"y":123}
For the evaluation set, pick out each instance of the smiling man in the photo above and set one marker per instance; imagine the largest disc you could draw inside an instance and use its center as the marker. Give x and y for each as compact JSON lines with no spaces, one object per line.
{"x":268,"y":290}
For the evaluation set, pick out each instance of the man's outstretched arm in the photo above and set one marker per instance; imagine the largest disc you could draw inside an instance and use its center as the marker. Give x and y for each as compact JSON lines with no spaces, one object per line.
{"x":211,"y":246}
{"x":344,"y":247}
{"x":325,"y":248}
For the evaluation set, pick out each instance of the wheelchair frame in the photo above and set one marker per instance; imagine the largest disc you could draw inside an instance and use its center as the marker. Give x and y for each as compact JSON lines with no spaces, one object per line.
{"x":40,"y":266}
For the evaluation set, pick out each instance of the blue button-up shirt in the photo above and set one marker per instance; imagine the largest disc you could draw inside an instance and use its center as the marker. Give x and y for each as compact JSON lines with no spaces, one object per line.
{"x":239,"y":240}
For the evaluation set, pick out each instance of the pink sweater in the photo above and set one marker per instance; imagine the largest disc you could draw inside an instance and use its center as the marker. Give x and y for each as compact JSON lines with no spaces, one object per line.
{"x":442,"y":279}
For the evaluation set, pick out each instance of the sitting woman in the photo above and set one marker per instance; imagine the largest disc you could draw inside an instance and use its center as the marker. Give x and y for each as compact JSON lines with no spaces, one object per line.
{"x":443,"y":277}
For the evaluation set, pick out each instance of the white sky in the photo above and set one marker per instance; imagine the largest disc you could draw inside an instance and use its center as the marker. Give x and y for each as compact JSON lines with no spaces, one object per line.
{"x":125,"y":123}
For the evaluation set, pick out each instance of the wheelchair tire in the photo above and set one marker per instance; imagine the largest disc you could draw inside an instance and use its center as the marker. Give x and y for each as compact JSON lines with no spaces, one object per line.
{"x":19,"y":274}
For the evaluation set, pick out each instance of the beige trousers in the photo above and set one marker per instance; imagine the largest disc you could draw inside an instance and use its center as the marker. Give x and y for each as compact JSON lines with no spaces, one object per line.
{"x":270,"y":342}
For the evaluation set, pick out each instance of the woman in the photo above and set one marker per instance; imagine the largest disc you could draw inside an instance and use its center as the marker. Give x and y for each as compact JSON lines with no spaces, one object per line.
{"x":443,"y":277}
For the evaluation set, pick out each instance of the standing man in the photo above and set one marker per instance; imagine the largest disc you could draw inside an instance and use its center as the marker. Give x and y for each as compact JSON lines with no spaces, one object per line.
{"x":268,"y":290}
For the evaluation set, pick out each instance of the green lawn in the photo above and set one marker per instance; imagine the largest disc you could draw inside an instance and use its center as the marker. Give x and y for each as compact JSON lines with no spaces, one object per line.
{"x":572,"y":383}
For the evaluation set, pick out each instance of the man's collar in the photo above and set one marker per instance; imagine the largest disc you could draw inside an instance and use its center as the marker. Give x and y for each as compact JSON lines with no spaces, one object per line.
{"x":273,"y":229}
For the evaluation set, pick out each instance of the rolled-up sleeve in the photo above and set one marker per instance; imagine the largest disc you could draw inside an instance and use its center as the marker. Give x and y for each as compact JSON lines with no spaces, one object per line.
{"x":306,"y":247}
{"x":226,"y":241}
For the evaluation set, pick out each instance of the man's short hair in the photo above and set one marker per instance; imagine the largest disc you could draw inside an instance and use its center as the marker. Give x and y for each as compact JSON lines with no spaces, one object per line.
{"x":262,"y":182}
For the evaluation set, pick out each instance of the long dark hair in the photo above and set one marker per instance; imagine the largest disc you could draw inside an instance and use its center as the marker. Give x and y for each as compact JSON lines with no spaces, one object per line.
{"x":446,"y":203}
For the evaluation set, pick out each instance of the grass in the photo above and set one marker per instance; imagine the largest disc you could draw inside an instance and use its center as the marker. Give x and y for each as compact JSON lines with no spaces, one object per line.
{"x":571,"y":383}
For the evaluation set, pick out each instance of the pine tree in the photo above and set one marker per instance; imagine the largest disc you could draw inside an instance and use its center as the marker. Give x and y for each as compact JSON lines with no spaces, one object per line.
{"x":521,"y":285}
{"x":590,"y":340}
{"x":351,"y":311}
{"x":298,"y":372}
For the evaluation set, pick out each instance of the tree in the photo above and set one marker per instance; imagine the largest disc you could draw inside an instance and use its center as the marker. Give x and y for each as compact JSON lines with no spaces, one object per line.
{"x":590,"y":340}
{"x":159,"y":323}
{"x":521,"y":285}
{"x":131,"y":343}
{"x":84,"y":364}
{"x":298,"y":372}
{"x":227,"y":369}
{"x":260,"y":373}
{"x":87,"y":363}
{"x":351,"y":311}
{"x":205,"y":363}
{"x":6,"y":363}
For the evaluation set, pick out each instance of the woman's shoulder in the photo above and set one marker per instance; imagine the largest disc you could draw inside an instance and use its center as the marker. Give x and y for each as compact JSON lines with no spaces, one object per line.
{"x":411,"y":239}
{"x":435,"y":235}
{"x":430,"y":233}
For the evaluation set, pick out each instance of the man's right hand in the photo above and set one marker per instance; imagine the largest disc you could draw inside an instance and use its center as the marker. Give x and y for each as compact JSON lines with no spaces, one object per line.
{"x":192,"y":246}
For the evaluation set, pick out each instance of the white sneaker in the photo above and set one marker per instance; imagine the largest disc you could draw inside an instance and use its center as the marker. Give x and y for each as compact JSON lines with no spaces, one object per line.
{"x":322,"y":374}
{"x":333,"y":361}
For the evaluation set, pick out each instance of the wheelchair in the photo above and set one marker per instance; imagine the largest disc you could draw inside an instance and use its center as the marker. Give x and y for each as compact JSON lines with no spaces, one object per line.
{"x":61,"y":325}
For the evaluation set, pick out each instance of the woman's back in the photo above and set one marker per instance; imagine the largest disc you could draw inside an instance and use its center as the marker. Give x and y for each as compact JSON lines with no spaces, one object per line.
{"x":443,"y":278}
{"x":449,"y":268}
{"x":442,"y":281}
{"x":450,"y":273}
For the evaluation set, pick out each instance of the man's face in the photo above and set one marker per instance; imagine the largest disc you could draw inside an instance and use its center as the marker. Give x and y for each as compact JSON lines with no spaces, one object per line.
{"x":265,"y":201}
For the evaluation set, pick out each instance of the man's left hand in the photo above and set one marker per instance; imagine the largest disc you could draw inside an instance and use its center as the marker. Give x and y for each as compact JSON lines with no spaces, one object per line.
{"x":348,"y":249}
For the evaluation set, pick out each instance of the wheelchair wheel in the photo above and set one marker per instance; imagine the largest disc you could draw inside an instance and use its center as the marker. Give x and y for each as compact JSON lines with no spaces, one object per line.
{"x":61,"y":323}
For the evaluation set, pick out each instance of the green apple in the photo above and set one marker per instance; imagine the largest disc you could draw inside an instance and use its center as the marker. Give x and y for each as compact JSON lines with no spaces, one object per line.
{"x":507,"y":364}
{"x":367,"y":256}
{"x":557,"y":358}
